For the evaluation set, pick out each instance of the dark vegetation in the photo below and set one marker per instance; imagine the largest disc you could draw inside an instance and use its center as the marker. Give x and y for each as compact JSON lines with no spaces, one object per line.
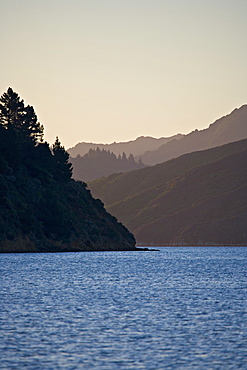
{"x":41,"y":207}
{"x":198,"y":198}
{"x":100,"y":163}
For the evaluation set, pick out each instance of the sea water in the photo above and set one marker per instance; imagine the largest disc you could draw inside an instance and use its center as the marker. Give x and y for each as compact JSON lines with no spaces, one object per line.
{"x":179,"y":308}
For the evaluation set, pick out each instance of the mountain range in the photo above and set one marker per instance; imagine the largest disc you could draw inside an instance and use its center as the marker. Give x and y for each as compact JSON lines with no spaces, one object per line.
{"x":92,"y":161}
{"x":229,"y":128}
{"x":195,"y":199}
{"x":135,"y":147}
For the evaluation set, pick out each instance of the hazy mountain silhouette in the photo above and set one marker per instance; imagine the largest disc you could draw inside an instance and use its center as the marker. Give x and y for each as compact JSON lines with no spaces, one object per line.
{"x":136,"y":147}
{"x":198,"y":198}
{"x":100,"y":163}
{"x":227,"y":129}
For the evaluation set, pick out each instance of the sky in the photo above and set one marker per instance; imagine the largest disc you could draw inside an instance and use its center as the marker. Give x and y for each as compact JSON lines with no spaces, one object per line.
{"x":113,"y":70}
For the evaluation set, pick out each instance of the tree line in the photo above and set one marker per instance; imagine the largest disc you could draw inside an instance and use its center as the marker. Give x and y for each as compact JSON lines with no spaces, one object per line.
{"x":107,"y":155}
{"x":99,"y":163}
{"x":21,"y":141}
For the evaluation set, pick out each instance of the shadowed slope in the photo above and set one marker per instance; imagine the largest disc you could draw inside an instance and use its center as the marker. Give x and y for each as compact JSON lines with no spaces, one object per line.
{"x":207,"y":205}
{"x":149,"y":201}
{"x":118,"y":187}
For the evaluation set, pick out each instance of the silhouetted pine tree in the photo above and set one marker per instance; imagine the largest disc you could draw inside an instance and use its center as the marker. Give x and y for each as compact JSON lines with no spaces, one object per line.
{"x":63,"y":168}
{"x":11,"y":109}
{"x":20,"y":129}
{"x":31,"y":128}
{"x":17,"y":118}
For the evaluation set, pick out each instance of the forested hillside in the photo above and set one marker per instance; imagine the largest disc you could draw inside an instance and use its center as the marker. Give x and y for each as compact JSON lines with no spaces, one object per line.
{"x":42,"y":208}
{"x":198,"y":198}
{"x":100,"y":163}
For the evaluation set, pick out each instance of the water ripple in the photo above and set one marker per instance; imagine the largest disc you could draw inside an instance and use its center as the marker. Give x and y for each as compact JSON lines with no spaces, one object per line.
{"x":180,"y":308}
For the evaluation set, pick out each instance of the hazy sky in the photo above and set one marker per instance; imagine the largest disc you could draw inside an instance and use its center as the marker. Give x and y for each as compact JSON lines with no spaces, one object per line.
{"x":113,"y":70}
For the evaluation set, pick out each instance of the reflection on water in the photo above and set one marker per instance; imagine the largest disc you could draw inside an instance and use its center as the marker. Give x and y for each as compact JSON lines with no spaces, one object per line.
{"x":179,"y":308}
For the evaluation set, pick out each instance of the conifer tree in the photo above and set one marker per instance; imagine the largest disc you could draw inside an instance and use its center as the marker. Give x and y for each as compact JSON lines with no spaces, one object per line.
{"x":131,"y":159}
{"x":30,"y":125}
{"x":124,"y":158}
{"x":21,"y":121}
{"x":20,"y":129}
{"x":11,"y":109}
{"x":63,"y":168}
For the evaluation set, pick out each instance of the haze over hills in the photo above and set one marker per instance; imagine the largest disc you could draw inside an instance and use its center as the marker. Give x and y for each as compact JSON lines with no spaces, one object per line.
{"x":136,"y":147}
{"x":150,"y":151}
{"x":198,"y":198}
{"x":100,"y":163}
{"x":229,"y":128}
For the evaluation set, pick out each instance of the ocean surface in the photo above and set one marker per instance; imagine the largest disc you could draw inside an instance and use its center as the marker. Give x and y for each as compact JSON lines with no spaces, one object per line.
{"x":179,"y":308}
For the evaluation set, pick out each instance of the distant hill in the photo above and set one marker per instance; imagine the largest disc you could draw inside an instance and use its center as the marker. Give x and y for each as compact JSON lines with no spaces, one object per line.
{"x":227,"y":129}
{"x":100,"y":163}
{"x":136,"y":147}
{"x":198,"y":198}
{"x":42,"y":208}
